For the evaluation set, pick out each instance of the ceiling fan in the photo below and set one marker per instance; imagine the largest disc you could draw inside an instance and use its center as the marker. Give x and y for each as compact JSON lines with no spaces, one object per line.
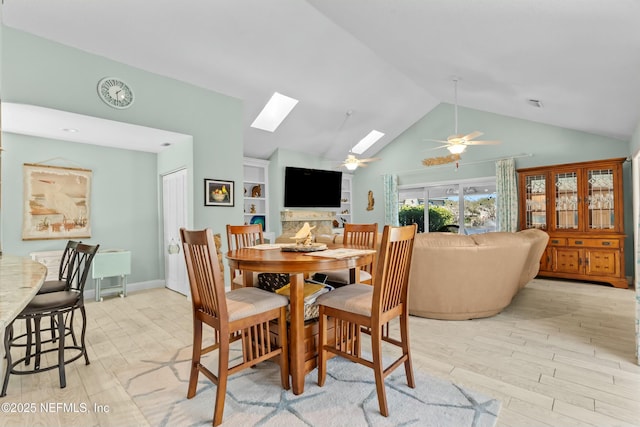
{"x":457,"y":143}
{"x":352,"y":162}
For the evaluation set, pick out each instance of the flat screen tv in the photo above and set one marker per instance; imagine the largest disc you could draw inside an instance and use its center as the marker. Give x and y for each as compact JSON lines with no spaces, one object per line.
{"x":312,"y":188}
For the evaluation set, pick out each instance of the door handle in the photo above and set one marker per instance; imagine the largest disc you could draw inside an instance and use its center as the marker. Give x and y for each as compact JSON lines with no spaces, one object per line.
{"x":173,"y":247}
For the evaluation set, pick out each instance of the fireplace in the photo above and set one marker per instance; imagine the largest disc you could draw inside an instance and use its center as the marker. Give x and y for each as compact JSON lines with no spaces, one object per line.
{"x":292,"y":221}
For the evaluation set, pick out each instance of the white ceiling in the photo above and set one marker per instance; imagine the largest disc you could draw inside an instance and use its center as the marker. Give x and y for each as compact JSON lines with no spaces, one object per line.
{"x":390,"y":62}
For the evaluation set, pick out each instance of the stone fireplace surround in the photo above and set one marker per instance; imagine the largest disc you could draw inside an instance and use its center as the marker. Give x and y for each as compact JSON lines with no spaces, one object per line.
{"x":293,"y":220}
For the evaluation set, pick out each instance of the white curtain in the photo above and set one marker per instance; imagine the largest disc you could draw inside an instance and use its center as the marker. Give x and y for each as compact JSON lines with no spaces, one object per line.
{"x":390,"y":184}
{"x":507,"y":195}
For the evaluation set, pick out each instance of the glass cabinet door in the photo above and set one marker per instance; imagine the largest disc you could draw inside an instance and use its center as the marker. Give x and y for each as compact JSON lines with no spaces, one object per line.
{"x":600,"y":199}
{"x":566,"y":200}
{"x":536,"y":201}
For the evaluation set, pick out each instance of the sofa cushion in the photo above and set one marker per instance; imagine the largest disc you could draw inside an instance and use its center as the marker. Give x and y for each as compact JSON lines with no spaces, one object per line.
{"x":443,"y":240}
{"x":500,"y":238}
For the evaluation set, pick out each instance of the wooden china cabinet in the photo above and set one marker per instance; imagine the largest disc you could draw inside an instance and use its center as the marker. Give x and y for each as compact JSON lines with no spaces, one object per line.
{"x":580,"y":206}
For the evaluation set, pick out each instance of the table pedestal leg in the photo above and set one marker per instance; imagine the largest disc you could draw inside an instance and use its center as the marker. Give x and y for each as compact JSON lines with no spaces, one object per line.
{"x":296,"y":333}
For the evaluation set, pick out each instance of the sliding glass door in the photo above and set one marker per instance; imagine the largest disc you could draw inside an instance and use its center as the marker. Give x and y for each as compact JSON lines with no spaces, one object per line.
{"x":469,"y":205}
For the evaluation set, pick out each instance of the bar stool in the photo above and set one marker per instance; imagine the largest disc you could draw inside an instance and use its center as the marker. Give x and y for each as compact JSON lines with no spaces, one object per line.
{"x":61,"y":284}
{"x":59,"y":305}
{"x":57,"y":285}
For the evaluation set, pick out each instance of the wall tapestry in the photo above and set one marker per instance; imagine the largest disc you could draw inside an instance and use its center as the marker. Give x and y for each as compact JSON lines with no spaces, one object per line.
{"x":56,"y":202}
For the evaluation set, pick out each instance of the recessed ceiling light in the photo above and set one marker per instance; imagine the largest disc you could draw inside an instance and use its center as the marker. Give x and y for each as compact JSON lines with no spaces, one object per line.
{"x":367,"y":142}
{"x":72,"y":130}
{"x":274,"y":112}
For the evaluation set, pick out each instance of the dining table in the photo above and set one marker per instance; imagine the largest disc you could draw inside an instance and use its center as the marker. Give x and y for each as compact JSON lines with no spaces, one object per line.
{"x":278,"y":258}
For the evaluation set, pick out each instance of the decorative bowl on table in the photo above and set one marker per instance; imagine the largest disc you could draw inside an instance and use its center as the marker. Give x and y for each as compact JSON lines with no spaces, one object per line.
{"x":218,"y":197}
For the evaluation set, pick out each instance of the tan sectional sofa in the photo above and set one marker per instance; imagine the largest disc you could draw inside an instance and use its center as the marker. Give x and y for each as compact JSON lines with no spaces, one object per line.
{"x":458,"y":277}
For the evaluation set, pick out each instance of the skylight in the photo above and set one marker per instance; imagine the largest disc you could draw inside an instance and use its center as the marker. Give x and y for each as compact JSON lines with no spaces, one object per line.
{"x":367,"y":142}
{"x":274,"y":112}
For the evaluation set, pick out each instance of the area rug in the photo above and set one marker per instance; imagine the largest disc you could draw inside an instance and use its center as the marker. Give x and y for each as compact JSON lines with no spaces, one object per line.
{"x":256,"y":398}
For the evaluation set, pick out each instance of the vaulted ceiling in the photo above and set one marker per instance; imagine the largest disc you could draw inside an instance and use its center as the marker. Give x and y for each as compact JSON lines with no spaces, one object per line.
{"x":387,"y":62}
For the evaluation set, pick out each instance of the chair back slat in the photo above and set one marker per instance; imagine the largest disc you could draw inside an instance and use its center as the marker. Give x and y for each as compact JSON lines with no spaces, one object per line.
{"x":392,"y":276}
{"x":67,"y":255}
{"x":243,"y":236}
{"x":79,"y":266}
{"x":205,"y":278}
{"x":362,"y":235}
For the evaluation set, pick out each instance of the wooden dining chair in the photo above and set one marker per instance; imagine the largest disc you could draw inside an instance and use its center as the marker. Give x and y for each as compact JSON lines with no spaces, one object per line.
{"x":365,"y":235}
{"x":360,"y":309}
{"x":242,"y":314}
{"x":242,"y":236}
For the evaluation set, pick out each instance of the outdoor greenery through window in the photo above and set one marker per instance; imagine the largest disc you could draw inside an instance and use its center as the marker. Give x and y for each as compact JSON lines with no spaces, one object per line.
{"x":470,"y":206}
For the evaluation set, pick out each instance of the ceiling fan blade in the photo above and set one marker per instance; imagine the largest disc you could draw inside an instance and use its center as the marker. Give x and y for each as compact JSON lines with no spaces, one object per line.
{"x":473,"y":135}
{"x":438,"y":147}
{"x":370,"y":159}
{"x":483,"y":142}
{"x":436,"y":140}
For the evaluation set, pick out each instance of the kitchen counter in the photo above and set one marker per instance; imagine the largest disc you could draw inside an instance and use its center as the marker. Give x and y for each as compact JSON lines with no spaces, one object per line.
{"x":20,"y":280}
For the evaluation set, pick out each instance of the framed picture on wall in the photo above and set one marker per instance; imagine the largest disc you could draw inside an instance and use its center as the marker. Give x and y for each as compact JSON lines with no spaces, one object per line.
{"x":56,"y":202}
{"x":218,"y":192}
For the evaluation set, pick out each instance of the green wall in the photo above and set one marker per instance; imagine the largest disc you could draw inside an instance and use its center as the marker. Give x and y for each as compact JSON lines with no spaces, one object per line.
{"x":123,"y":199}
{"x":40,"y":72}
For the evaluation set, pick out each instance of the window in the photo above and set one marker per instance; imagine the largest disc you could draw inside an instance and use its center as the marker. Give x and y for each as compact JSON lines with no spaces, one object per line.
{"x":471,"y":205}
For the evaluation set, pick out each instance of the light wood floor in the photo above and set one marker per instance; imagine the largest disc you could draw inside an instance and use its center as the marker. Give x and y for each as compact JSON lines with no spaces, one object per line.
{"x":561,"y":355}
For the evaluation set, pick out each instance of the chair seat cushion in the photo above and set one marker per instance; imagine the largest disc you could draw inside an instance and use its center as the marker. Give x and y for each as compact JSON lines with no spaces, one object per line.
{"x":51,"y":301}
{"x":342,"y":276}
{"x":356,"y":298}
{"x":52,"y":286}
{"x":245,"y":302}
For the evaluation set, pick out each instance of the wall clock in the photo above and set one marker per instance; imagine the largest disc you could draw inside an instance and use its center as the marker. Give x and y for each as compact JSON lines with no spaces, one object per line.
{"x":115,"y":93}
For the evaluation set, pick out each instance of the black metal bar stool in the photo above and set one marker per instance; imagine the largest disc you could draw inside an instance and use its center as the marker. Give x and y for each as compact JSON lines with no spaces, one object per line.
{"x":57,"y":285}
{"x":60,"y":306}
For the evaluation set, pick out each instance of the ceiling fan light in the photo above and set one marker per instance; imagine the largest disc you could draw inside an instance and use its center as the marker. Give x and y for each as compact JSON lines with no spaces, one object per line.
{"x":351,"y":166}
{"x":456,"y":148}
